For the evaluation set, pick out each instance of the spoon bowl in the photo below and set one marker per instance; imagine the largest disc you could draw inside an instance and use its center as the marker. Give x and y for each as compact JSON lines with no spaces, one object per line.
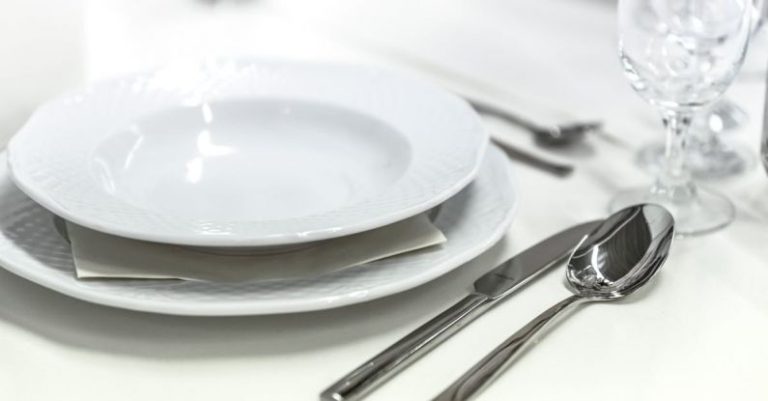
{"x":621,"y":254}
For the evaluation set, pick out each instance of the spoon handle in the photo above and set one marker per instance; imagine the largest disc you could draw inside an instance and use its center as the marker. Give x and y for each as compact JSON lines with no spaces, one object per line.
{"x":489,"y":368}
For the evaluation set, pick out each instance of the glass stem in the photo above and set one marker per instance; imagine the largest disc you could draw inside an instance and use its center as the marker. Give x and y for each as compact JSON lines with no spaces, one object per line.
{"x":675,"y":180}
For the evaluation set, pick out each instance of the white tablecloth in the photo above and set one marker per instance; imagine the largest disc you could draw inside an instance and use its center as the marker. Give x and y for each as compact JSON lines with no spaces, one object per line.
{"x":699,"y":333}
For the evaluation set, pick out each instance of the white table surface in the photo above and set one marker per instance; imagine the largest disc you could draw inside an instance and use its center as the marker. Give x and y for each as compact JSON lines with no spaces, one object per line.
{"x":700,"y":333}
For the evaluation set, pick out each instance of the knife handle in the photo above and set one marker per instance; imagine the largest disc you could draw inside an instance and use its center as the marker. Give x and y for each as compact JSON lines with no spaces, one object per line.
{"x":398,"y":356}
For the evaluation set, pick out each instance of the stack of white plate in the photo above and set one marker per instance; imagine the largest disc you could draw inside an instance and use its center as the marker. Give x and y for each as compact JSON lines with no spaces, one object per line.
{"x":251,"y":153}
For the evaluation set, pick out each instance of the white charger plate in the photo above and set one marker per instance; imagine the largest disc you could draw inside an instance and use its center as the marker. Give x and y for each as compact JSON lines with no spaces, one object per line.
{"x":472,"y":220}
{"x":247,"y":153}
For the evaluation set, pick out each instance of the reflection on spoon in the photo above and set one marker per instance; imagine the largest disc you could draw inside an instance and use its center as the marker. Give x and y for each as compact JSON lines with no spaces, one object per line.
{"x":617,"y":258}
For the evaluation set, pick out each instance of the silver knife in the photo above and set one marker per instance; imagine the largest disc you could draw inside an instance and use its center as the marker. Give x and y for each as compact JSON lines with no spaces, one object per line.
{"x":489,"y":289}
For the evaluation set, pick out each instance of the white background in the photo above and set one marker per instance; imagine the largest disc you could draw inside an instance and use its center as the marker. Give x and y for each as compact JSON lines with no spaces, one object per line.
{"x":699,"y":333}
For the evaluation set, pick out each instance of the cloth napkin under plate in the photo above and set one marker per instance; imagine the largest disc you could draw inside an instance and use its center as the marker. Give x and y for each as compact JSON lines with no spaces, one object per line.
{"x":99,"y":255}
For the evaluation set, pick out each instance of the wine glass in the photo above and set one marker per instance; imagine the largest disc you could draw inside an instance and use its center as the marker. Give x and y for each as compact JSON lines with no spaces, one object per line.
{"x":711,"y":154}
{"x":680,"y":56}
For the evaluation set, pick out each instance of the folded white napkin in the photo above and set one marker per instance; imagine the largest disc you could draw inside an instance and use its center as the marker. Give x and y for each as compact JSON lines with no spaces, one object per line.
{"x":99,"y":255}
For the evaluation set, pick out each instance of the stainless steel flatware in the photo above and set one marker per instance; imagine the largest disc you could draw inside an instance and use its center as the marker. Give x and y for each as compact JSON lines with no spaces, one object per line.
{"x":489,"y":289}
{"x":617,"y":258}
{"x":532,"y":160}
{"x":473,"y":89}
{"x":547,"y":136}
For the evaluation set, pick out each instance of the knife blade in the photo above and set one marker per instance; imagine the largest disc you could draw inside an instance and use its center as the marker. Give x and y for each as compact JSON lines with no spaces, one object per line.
{"x":490,"y":289}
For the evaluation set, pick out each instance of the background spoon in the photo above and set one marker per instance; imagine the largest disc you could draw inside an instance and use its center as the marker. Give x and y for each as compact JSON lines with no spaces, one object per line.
{"x":556,"y":136}
{"x":615,"y":259}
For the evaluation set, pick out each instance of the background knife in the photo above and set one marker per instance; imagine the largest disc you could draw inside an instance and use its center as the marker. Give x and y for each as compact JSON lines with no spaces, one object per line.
{"x":489,"y":289}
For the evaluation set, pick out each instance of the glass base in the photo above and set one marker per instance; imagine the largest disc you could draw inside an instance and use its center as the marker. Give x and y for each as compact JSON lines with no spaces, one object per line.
{"x":700,"y":213}
{"x":703,"y":162}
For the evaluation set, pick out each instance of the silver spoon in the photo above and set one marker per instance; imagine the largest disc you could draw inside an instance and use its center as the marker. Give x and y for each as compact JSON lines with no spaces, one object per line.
{"x":532,"y":160}
{"x":556,"y":136}
{"x":615,"y":259}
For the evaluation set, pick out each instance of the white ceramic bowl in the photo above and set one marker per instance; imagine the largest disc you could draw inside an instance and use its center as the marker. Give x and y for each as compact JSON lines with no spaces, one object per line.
{"x":247,"y":153}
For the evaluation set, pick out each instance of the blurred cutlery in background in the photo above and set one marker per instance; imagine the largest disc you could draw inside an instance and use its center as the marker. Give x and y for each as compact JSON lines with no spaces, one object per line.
{"x":552,"y":128}
{"x":518,"y":154}
{"x":555,"y":136}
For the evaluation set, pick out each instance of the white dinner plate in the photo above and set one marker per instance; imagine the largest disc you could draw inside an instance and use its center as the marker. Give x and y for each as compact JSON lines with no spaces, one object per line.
{"x":247,"y":153}
{"x":472,"y":220}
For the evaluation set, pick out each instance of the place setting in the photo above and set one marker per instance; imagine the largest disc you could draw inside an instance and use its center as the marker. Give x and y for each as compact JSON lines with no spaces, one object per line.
{"x":198,"y":172}
{"x":247,"y":186}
